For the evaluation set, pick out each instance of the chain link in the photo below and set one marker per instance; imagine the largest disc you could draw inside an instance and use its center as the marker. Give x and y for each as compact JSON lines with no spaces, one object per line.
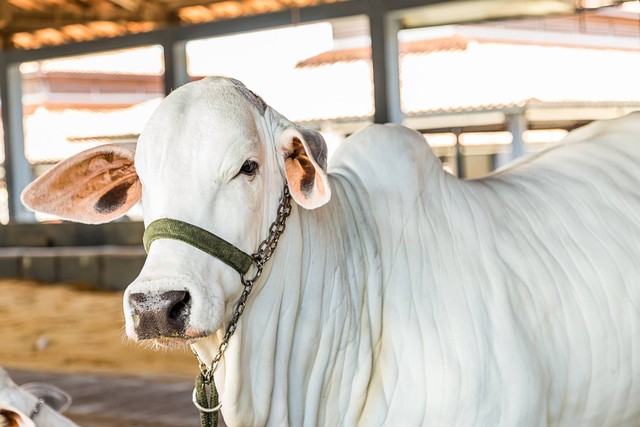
{"x":264,"y":253}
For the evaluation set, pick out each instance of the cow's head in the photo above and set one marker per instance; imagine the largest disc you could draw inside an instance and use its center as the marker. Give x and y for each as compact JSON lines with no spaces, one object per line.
{"x":213,"y":155}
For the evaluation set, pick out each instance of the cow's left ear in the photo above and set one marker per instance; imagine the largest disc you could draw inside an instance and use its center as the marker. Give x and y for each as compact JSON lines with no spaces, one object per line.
{"x":12,"y":417}
{"x":305,"y":164}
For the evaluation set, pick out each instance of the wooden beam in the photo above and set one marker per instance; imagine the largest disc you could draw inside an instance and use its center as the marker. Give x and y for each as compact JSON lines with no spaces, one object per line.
{"x":31,"y":26}
{"x":6,"y":15}
{"x":24,"y":40}
{"x":43,"y":19}
{"x":50,"y":36}
{"x":17,"y":20}
{"x":29,"y":16}
{"x":78,"y":32}
{"x":29,"y":5}
{"x":130,"y":5}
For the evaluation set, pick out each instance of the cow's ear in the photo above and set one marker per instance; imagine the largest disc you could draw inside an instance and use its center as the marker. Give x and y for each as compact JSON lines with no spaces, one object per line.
{"x":305,"y":164}
{"x":12,"y":417}
{"x":94,"y":186}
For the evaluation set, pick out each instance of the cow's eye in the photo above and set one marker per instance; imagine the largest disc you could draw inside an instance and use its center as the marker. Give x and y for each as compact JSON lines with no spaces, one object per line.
{"x":250,"y":167}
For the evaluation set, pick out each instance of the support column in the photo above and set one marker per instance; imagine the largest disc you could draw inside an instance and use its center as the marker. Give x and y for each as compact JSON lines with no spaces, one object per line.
{"x":385,"y":57}
{"x":18,"y":172}
{"x":459,"y":159}
{"x":517,"y":124}
{"x":175,"y":64}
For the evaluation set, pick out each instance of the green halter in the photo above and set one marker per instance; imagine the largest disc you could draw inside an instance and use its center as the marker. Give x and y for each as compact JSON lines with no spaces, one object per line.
{"x":167,"y":228}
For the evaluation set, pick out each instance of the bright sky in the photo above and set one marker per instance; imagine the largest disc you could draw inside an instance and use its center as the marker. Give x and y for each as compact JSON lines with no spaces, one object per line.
{"x":272,"y":50}
{"x":264,"y":61}
{"x":143,"y":60}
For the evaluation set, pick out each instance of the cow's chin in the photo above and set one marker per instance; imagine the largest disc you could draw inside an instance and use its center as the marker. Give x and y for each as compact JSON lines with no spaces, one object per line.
{"x":163,"y":342}
{"x":190,"y":337}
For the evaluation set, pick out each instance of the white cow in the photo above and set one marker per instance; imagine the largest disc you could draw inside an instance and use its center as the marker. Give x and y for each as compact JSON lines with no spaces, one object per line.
{"x":408,"y":297}
{"x":32,"y":404}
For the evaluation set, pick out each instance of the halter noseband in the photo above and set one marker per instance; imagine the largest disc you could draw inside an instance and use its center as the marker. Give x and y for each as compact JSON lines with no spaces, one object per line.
{"x":167,"y":228}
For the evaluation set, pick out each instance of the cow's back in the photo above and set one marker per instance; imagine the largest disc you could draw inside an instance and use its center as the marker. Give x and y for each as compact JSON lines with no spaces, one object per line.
{"x":567,"y":229}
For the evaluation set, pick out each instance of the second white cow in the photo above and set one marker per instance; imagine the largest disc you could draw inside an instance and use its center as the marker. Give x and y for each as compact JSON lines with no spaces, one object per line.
{"x":398,"y":294}
{"x":31,"y":405}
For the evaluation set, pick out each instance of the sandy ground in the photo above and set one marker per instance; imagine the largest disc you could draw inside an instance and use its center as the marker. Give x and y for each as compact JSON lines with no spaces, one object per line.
{"x":61,"y":328}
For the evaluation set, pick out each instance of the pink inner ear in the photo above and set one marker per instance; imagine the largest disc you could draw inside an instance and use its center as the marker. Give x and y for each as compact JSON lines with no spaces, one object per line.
{"x":307,"y":181}
{"x":307,"y":184}
{"x":95,"y":186}
{"x":14,"y":418}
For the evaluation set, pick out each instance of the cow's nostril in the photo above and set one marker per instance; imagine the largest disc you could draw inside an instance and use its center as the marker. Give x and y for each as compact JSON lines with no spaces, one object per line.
{"x":181,"y":307}
{"x":160,"y":315}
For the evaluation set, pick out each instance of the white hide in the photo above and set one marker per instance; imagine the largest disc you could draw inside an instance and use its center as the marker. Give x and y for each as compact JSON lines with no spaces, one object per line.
{"x":16,"y":404}
{"x":412,"y":297}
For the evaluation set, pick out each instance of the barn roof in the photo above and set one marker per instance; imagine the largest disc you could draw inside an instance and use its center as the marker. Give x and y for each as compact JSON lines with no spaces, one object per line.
{"x":31,"y":24}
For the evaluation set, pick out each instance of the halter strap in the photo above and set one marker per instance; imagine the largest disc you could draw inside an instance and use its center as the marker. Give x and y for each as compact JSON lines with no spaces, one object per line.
{"x":167,"y":228}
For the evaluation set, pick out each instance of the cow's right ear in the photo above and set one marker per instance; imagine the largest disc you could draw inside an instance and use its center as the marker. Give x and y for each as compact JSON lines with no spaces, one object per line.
{"x":94,"y":186}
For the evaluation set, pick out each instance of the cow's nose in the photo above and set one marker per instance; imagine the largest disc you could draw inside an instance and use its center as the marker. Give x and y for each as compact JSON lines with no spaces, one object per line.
{"x":160,"y":315}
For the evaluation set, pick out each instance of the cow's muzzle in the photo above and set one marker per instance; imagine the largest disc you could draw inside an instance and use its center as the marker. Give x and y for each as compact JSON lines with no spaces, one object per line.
{"x":164,"y":315}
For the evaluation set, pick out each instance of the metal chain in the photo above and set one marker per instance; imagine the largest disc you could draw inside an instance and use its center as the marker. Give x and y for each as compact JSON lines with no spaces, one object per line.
{"x":260,"y":257}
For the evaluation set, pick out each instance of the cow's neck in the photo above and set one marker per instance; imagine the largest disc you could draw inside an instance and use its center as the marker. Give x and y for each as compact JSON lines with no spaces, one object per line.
{"x":303,"y":350}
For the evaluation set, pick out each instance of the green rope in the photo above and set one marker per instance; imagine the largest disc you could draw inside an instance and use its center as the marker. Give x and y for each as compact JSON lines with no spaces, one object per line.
{"x":167,"y":228}
{"x":207,"y":419}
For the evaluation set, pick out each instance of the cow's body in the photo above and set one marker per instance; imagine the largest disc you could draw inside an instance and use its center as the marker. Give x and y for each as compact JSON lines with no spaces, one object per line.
{"x":510,"y":300}
{"x":411,"y":297}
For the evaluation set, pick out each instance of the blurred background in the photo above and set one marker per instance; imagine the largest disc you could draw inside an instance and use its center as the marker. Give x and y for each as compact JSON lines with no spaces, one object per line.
{"x":485,"y":81}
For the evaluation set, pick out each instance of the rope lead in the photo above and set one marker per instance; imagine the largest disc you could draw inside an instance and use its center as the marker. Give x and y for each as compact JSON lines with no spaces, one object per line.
{"x":207,"y":403}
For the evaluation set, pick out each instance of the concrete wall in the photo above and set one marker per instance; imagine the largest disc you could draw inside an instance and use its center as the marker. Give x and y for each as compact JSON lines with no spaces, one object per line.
{"x":107,"y":256}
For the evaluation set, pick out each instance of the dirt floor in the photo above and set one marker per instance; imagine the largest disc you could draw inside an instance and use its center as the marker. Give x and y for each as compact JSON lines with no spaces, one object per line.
{"x":61,"y":328}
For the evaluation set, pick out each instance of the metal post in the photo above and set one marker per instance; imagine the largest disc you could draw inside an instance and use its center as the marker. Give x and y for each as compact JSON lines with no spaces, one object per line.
{"x":385,"y":58}
{"x":18,"y":173}
{"x":517,"y":124}
{"x":459,"y":154}
{"x":175,"y":64}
